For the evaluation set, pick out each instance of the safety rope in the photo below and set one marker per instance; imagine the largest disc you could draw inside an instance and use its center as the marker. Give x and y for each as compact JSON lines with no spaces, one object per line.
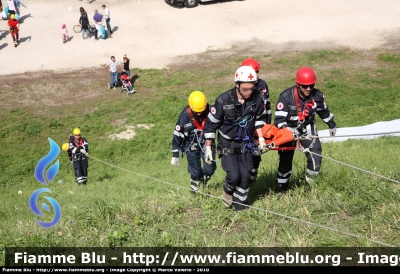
{"x":249,"y":206}
{"x":305,"y":150}
{"x":351,"y":135}
{"x":342,"y":163}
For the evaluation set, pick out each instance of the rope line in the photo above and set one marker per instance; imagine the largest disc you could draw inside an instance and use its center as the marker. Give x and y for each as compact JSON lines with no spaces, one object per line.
{"x":366,"y":171}
{"x":304,"y":150}
{"x":352,"y":135}
{"x":249,"y":206}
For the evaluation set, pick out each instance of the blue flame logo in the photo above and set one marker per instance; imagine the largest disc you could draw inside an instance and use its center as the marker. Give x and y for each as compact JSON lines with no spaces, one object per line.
{"x":45,"y":161}
{"x":35,"y":209}
{"x":50,"y":175}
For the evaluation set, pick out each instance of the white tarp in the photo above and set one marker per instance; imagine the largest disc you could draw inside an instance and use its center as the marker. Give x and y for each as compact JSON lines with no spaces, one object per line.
{"x":379,"y":127}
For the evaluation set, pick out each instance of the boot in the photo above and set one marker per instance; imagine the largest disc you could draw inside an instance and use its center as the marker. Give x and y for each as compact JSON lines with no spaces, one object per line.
{"x":195,"y":186}
{"x":309,"y":179}
{"x":281,"y":188}
{"x":311,"y":175}
{"x":227,"y":199}
{"x":205,"y":179}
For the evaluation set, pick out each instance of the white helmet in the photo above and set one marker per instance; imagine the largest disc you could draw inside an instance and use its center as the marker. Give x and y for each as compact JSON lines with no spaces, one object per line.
{"x":245,"y":74}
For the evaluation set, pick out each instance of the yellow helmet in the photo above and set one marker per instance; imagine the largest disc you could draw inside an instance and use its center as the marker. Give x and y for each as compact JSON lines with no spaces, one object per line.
{"x":65,"y":147}
{"x":197,"y":101}
{"x":76,"y":131}
{"x":12,"y":16}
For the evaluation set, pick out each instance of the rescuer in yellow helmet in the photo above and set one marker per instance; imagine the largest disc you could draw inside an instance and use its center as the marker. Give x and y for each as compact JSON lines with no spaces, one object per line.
{"x":188,"y":138}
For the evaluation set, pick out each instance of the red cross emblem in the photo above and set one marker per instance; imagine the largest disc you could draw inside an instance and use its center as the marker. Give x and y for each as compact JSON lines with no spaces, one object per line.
{"x":237,"y":75}
{"x":251,"y":76}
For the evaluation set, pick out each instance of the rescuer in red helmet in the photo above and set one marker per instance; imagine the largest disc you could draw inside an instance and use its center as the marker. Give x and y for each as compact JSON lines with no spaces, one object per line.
{"x":295,"y":110}
{"x":261,"y":88}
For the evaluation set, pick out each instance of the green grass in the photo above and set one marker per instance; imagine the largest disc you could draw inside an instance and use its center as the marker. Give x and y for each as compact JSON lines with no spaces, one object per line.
{"x":134,"y":196}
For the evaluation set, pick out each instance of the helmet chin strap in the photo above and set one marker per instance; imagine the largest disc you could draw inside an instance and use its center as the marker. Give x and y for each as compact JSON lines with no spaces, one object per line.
{"x":239,"y":90}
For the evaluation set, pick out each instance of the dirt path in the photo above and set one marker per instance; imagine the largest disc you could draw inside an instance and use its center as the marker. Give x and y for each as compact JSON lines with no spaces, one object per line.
{"x":157,"y":35}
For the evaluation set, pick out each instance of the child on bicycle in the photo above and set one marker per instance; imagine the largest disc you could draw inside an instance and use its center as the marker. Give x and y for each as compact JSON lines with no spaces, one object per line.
{"x":64,"y":33}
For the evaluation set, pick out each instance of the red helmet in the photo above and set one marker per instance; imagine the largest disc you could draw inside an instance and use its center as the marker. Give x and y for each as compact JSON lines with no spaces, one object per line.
{"x":252,"y":63}
{"x":305,"y":76}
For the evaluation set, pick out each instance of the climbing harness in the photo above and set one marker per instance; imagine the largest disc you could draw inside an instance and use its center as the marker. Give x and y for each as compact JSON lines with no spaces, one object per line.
{"x":248,"y":142}
{"x":197,"y":140}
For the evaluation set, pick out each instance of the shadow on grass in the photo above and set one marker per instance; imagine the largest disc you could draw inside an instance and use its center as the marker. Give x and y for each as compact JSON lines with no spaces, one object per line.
{"x":133,"y":79}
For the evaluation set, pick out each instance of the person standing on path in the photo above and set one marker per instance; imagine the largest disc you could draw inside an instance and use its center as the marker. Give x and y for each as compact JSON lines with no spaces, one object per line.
{"x":84,"y":22}
{"x":18,"y":4}
{"x":98,"y":20}
{"x":112,"y":67}
{"x":107,"y":17}
{"x":11,"y":6}
{"x":126,"y":65}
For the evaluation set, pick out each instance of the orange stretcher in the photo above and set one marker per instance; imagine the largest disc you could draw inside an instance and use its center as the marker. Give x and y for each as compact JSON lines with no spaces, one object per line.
{"x":274,"y":137}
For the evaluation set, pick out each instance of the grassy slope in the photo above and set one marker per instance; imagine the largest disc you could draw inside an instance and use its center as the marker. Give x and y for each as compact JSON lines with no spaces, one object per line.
{"x":136,"y":198}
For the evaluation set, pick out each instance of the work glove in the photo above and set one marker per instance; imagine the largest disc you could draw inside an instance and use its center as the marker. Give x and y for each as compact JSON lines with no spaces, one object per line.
{"x":208,"y":156}
{"x":74,"y":150}
{"x":332,"y":131}
{"x":175,"y":161}
{"x":262,"y":146}
{"x":83,"y":151}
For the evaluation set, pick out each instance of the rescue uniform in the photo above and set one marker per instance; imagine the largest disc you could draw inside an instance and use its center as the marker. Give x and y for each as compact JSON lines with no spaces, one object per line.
{"x":261,"y":88}
{"x":188,"y":139}
{"x":286,"y":115}
{"x":79,"y":159}
{"x":235,"y":123}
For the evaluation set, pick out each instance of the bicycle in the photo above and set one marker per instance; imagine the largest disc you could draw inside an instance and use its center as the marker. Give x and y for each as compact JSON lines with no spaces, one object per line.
{"x":78,"y":28}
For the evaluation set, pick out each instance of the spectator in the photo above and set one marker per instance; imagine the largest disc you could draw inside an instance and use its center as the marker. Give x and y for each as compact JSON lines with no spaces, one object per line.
{"x":11,"y":6}
{"x":81,"y":9}
{"x":107,"y":17}
{"x":126,"y":65}
{"x":18,"y":4}
{"x":64,"y":33}
{"x":112,"y":67}
{"x":84,"y":22}
{"x":98,"y":20}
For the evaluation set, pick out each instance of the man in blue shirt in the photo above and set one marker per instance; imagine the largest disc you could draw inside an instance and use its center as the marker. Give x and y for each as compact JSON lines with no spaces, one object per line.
{"x":98,"y":19}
